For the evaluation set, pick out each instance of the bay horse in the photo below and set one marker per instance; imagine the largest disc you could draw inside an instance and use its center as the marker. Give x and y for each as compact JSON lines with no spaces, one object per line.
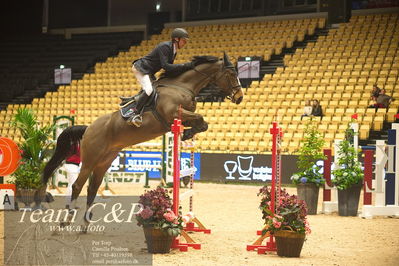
{"x":101,"y":141}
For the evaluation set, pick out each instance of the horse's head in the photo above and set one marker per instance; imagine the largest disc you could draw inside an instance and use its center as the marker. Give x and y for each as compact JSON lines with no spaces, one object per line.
{"x":228,"y":81}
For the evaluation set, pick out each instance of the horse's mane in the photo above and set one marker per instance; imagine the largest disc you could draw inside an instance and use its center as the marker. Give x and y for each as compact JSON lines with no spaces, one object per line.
{"x":202,"y":59}
{"x":197,"y":60}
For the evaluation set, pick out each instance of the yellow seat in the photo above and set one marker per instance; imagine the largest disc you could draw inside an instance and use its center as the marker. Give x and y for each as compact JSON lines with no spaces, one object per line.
{"x":378,"y":122}
{"x":329,"y":136}
{"x":390,"y":115}
{"x":364,"y":131}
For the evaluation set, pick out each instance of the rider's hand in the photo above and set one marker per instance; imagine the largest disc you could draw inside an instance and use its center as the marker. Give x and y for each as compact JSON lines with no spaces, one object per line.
{"x":189,"y":65}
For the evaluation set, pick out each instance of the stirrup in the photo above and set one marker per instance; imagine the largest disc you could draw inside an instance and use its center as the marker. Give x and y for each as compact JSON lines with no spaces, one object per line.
{"x":135,"y":120}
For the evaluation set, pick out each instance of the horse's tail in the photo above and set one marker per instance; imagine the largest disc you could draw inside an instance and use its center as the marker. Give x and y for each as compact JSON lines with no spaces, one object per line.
{"x":66,"y":140}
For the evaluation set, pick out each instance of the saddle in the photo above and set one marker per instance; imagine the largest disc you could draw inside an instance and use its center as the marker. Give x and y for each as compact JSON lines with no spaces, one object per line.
{"x":127,"y":108}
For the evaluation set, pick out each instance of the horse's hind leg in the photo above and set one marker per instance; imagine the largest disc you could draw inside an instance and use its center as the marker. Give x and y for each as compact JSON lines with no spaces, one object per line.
{"x":95,"y":182}
{"x":76,"y":189}
{"x":79,"y":183}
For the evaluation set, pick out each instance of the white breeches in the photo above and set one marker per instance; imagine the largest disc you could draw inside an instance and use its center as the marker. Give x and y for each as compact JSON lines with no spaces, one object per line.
{"x":144,"y":80}
{"x":72,"y":173}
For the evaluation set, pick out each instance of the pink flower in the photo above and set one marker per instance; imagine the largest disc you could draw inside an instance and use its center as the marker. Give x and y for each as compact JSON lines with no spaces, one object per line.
{"x":170,"y":216}
{"x":146,"y":213}
{"x":307,"y":229}
{"x":276,"y":223}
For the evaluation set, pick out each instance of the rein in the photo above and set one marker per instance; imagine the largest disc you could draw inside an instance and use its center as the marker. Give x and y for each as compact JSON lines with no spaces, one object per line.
{"x":213,"y":77}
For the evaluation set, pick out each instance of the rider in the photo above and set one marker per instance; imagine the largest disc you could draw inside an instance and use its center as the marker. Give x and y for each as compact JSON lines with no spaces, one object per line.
{"x":161,"y":57}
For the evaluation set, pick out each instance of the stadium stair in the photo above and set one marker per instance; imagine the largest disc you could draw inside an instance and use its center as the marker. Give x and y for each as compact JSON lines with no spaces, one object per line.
{"x":377,"y":135}
{"x":28,"y":71}
{"x":270,"y":66}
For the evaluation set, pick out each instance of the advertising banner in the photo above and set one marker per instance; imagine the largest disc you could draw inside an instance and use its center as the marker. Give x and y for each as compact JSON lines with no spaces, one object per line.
{"x":248,"y":69}
{"x":139,"y":161}
{"x":244,"y":167}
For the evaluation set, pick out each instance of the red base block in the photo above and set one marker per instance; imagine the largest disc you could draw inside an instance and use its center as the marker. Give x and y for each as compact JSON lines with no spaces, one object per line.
{"x":259,"y":247}
{"x":190,"y":227}
{"x":184,"y":246}
{"x":270,"y":246}
{"x":254,"y":247}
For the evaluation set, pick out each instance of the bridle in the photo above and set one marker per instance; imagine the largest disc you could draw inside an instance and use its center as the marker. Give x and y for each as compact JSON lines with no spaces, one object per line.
{"x":223,"y":72}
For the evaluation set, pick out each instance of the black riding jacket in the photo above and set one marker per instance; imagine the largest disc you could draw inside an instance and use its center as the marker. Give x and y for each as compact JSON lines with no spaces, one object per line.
{"x":161,"y":57}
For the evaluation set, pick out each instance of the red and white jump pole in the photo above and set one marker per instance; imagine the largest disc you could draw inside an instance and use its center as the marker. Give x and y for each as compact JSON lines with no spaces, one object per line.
{"x":177,"y":129}
{"x":193,"y":224}
{"x":277,"y":134}
{"x":329,"y":205}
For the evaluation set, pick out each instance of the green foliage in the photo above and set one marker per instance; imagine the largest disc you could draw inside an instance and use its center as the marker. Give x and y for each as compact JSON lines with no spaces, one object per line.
{"x":310,"y":152}
{"x":34,"y":149}
{"x":349,"y":170}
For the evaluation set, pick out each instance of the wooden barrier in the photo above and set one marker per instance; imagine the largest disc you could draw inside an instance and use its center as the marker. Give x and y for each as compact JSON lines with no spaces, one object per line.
{"x":385,"y":188}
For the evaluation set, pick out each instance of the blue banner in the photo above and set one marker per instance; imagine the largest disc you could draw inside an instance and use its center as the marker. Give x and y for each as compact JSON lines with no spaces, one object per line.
{"x":185,"y":163}
{"x":139,"y":161}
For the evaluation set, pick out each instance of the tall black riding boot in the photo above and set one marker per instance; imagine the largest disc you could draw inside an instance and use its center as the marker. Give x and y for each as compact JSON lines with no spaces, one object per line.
{"x":136,"y":119}
{"x":126,"y":100}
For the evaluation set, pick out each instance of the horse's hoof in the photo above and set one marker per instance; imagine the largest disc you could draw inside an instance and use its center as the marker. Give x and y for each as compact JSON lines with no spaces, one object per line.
{"x":72,"y":209}
{"x":63,"y":224}
{"x":84,"y":229}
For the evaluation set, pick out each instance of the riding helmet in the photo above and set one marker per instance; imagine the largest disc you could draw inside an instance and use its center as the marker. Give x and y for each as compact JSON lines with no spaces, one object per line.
{"x":179,"y":33}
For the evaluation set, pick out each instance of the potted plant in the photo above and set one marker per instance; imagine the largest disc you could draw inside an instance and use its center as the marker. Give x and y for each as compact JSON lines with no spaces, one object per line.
{"x":309,"y":178}
{"x":34,"y":151}
{"x":288,"y":224}
{"x":348,"y":176}
{"x":161,"y":225}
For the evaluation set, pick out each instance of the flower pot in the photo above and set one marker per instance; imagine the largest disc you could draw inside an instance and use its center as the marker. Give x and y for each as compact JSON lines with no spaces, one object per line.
{"x":39,"y":197}
{"x":348,"y":200}
{"x":309,"y":192}
{"x":26,"y":196}
{"x":157,"y":240}
{"x":289,"y":243}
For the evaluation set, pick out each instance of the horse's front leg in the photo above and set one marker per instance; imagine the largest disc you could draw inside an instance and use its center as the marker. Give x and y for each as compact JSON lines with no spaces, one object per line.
{"x":195,"y":121}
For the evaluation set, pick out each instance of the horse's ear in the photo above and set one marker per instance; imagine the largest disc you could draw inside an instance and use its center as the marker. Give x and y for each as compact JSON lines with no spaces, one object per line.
{"x":226,"y":60}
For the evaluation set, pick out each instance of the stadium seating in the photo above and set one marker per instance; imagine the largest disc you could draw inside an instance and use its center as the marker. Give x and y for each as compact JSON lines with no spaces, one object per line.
{"x":339,"y":69}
